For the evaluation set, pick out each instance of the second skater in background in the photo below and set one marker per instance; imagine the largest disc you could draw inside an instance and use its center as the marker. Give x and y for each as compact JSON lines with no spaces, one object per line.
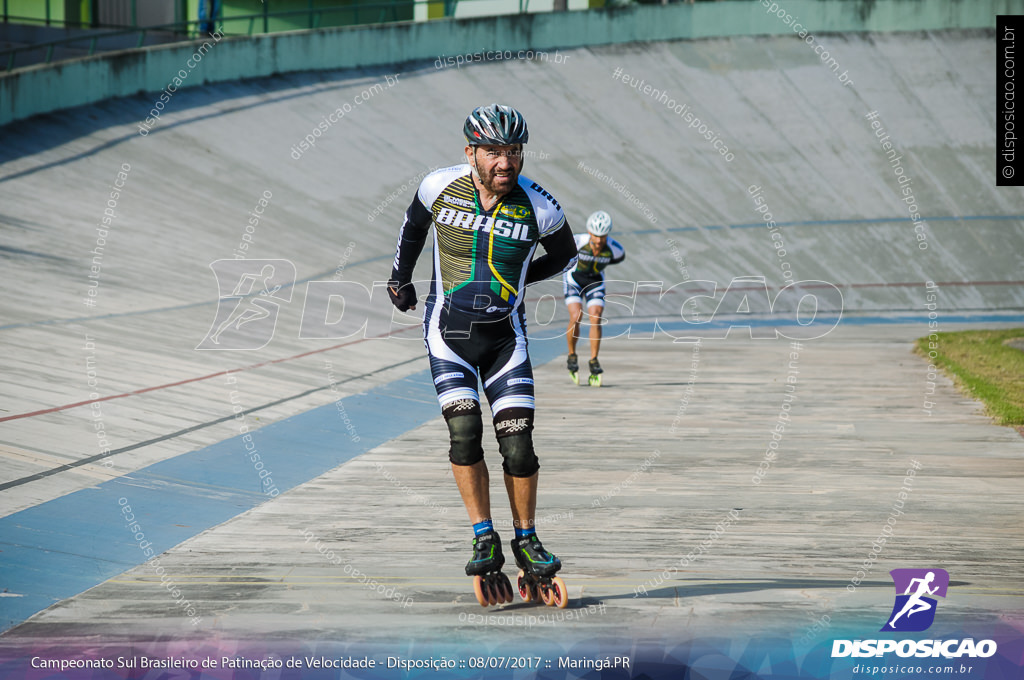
{"x":596,"y":251}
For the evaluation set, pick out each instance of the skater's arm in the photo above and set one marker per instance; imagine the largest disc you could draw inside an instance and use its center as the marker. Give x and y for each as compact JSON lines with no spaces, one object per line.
{"x":560,"y":255}
{"x":618,"y":252}
{"x":411,"y":238}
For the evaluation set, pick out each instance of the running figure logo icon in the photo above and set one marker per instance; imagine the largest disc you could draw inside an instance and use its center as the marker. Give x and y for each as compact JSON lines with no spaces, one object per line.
{"x":250,"y":295}
{"x":913,"y":611}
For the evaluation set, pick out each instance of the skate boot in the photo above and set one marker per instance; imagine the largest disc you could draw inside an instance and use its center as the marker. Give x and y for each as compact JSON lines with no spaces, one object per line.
{"x":489,"y":585}
{"x":537,"y":569}
{"x":573,"y":364}
{"x":595,"y":372}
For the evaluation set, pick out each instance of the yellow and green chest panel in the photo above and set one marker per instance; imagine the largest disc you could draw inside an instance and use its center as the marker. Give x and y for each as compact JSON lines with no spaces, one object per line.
{"x":481,"y":250}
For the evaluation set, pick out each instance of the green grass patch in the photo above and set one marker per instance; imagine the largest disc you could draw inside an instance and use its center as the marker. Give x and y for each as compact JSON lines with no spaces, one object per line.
{"x":981,"y":364}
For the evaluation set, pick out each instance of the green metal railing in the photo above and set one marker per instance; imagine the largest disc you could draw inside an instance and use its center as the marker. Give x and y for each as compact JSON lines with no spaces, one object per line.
{"x":48,"y":19}
{"x":361,"y":13}
{"x":314,"y":14}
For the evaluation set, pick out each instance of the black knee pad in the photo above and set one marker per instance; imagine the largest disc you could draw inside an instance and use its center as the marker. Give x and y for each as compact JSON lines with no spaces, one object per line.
{"x":514,"y":429}
{"x":466,"y":431}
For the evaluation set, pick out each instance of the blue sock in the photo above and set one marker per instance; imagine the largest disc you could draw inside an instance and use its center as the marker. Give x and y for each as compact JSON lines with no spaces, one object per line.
{"x":522,"y":533}
{"x":483,"y":527}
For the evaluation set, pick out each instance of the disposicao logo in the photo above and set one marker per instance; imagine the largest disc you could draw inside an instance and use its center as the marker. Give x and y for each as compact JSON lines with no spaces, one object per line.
{"x":914,"y":611}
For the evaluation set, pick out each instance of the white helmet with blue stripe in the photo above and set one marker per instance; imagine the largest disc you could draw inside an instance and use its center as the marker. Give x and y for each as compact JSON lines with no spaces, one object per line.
{"x":600,"y":223}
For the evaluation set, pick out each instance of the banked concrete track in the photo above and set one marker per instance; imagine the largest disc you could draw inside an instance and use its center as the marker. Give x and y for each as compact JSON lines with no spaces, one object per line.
{"x":796,"y":135}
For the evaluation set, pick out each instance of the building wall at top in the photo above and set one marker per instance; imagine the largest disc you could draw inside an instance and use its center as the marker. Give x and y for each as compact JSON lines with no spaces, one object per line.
{"x":43,"y":88}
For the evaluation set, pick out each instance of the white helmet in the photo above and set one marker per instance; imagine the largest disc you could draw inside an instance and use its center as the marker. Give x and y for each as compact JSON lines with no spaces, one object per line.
{"x":600,"y":223}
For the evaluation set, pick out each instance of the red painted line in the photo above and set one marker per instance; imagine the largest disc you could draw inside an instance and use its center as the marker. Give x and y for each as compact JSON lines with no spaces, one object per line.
{"x":56,"y":409}
{"x":65,"y":407}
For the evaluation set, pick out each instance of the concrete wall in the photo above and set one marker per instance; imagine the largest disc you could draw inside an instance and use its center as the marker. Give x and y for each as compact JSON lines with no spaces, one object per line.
{"x":24,"y":35}
{"x":45,"y":88}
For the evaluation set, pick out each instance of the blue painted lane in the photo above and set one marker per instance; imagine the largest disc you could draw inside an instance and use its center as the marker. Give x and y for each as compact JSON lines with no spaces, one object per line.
{"x":65,"y":546}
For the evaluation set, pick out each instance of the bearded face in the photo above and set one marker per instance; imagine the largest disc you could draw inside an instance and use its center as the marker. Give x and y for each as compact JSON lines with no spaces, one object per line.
{"x":496,"y":167}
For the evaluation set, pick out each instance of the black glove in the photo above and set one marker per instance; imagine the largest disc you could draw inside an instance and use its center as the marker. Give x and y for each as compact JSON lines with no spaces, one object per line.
{"x":402,"y":296}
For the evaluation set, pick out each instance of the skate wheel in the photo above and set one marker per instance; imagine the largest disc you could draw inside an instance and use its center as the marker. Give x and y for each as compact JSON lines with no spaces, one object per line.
{"x":595,"y":380}
{"x":575,"y":377}
{"x":525,"y":591}
{"x":506,"y":589}
{"x":559,"y":595}
{"x":481,"y":590}
{"x":494,"y":592}
{"x":547,"y":595}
